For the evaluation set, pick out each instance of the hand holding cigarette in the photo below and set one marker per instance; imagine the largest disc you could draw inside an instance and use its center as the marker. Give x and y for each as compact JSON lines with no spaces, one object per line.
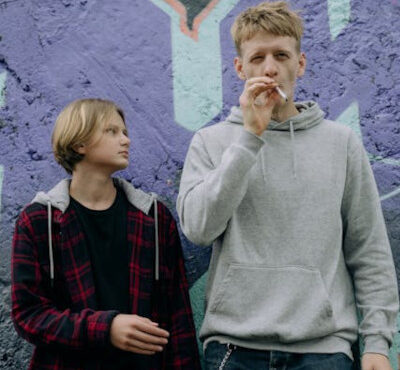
{"x":259,"y":97}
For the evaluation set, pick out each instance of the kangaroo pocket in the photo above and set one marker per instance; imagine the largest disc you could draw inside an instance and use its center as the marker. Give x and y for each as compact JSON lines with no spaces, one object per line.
{"x":285,"y":304}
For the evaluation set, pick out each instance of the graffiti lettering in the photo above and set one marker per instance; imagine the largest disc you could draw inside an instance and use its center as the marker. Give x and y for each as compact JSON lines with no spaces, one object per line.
{"x":196,"y":62}
{"x":3,"y":77}
{"x":339,"y":16}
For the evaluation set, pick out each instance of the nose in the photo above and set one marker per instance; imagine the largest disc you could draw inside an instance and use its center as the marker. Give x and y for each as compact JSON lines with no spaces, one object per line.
{"x":125,"y":140}
{"x":270,"y":67}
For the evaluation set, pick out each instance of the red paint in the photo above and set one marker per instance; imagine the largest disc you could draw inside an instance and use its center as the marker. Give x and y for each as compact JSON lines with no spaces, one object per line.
{"x":181,"y":10}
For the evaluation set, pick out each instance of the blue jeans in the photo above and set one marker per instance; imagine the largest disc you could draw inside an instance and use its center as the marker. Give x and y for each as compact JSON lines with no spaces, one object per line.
{"x":239,"y":358}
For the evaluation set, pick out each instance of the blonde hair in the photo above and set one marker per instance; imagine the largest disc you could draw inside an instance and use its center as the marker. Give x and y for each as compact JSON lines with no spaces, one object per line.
{"x":76,"y":125}
{"x":275,"y":18}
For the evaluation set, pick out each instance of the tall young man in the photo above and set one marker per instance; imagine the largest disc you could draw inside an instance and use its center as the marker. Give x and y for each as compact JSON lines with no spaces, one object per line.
{"x":289,"y":201}
{"x":98,"y":280}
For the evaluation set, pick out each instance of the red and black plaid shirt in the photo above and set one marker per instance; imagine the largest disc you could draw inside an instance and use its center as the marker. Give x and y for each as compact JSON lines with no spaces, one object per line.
{"x":63,"y":321}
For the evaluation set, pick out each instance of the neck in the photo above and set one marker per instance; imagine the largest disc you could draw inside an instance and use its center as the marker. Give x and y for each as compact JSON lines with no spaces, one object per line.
{"x":93,"y":190}
{"x":283,"y":112}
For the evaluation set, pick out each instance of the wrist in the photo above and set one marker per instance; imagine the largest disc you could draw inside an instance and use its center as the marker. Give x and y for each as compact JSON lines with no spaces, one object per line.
{"x":253,"y":131}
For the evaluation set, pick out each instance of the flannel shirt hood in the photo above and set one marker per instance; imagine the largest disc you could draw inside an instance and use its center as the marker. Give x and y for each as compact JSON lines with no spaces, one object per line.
{"x":59,"y":197}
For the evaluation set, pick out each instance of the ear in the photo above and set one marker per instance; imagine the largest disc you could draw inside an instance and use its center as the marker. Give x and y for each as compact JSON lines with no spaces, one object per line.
{"x":239,"y":68}
{"x":302,"y":65}
{"x":80,"y":149}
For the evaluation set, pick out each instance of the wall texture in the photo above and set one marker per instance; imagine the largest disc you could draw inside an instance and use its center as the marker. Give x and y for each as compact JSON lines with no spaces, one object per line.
{"x":168,"y":63}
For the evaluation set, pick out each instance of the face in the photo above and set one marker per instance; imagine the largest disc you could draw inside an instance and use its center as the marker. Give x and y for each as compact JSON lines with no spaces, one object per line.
{"x":109,"y":148}
{"x":272,"y":56}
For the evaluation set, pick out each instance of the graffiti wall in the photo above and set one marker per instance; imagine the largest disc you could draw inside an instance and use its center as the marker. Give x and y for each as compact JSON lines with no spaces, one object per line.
{"x":169,"y":65}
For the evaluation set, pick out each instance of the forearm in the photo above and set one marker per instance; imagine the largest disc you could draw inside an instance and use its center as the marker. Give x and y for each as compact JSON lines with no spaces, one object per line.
{"x":209,"y":196}
{"x":45,"y":325}
{"x":38,"y":314}
{"x":368,"y":255}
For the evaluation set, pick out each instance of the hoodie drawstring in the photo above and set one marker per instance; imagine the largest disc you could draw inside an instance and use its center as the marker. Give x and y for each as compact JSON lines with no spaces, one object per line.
{"x":293,"y":149}
{"x":157,"y":255}
{"x":51,"y":258}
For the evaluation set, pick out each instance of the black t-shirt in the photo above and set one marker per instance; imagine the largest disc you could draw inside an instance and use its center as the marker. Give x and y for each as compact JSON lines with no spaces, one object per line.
{"x":107,"y":243}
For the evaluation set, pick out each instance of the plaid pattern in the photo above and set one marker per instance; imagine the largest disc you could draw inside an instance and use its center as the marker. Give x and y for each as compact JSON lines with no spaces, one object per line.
{"x":63,"y":322}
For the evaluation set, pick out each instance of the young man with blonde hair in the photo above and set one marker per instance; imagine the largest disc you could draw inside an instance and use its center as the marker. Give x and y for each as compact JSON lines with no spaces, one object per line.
{"x":289,"y":201}
{"x":98,"y":279}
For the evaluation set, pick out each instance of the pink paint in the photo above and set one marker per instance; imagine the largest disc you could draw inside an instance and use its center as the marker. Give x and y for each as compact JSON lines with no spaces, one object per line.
{"x":181,"y":10}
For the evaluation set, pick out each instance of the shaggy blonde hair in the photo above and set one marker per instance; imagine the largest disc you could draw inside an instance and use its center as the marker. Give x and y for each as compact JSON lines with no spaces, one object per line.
{"x":76,"y":125}
{"x":275,"y":18}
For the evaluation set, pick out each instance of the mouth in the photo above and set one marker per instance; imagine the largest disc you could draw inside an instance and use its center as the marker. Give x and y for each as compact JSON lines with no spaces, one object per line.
{"x":124,"y":153}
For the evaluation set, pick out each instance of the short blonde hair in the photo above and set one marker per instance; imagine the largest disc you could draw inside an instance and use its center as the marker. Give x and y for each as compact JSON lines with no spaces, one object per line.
{"x":275,"y":18}
{"x":76,"y":125}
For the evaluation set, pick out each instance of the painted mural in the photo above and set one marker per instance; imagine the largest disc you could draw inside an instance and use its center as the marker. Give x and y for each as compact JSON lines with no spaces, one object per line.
{"x":169,"y":65}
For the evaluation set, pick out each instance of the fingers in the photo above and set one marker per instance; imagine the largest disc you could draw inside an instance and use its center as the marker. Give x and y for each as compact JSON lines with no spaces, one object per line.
{"x":134,"y":345}
{"x":263,"y":79}
{"x":147,"y":338}
{"x":145,"y":319}
{"x":151,"y":328}
{"x":255,"y":87}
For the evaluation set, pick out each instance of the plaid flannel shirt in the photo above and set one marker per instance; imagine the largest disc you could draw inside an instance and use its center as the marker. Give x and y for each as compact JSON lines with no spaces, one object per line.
{"x":62,"y":320}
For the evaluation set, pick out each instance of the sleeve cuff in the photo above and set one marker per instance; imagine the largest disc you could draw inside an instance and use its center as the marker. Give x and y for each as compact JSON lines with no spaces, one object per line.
{"x":99,"y":328}
{"x":250,"y":142}
{"x":376,"y":344}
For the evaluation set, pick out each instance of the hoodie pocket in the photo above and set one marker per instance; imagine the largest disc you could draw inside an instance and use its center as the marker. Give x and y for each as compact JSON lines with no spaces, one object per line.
{"x":285,"y":304}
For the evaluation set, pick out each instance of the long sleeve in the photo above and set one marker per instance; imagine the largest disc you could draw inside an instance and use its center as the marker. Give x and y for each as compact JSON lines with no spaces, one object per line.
{"x":182,"y":348}
{"x":367,"y":253}
{"x":34,"y":311}
{"x":210,"y":193}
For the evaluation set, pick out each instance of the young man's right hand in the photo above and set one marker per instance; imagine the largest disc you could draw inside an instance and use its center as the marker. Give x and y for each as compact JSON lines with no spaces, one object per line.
{"x":257,"y":101}
{"x":137,"y":334}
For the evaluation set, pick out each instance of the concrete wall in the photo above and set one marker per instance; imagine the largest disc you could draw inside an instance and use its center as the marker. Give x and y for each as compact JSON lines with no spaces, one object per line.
{"x":168,"y":63}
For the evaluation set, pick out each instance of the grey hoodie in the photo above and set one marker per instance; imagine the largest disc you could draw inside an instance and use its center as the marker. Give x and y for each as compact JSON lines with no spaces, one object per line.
{"x":295,"y":220}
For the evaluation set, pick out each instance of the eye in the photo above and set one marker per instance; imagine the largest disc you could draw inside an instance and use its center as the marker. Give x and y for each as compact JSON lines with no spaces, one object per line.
{"x":281,"y":55}
{"x":257,"y":58}
{"x":111,"y":130}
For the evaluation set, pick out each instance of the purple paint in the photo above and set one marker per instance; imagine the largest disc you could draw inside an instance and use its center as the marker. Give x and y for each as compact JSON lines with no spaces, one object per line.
{"x":55,"y":52}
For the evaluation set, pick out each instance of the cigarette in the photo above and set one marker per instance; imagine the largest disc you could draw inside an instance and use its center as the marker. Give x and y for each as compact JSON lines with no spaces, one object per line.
{"x":281,"y":93}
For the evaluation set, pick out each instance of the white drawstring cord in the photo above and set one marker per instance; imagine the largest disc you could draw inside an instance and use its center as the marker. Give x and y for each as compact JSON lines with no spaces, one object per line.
{"x":50,"y":244}
{"x":157,"y":256}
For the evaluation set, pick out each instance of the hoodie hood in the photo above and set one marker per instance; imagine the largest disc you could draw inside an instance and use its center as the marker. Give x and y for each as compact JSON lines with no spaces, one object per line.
{"x":309,"y":116}
{"x":58,"y":197}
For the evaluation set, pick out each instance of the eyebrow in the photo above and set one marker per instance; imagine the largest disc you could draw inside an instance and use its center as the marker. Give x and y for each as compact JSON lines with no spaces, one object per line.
{"x":116,"y":126}
{"x":274,"y":50}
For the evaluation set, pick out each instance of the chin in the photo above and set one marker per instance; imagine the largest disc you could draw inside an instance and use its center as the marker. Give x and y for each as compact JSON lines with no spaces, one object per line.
{"x":121,"y":166}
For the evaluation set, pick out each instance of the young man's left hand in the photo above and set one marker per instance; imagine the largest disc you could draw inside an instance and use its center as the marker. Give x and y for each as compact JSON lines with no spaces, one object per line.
{"x":375,"y":361}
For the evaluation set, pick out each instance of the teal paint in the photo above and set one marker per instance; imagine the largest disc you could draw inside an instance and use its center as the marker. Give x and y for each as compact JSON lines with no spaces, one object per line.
{"x":196,"y":65}
{"x":393,"y":356}
{"x":339,"y":16}
{"x":351,"y":118}
{"x":391,"y":195}
{"x":378,"y":158}
{"x":3,"y":77}
{"x":197,"y":298}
